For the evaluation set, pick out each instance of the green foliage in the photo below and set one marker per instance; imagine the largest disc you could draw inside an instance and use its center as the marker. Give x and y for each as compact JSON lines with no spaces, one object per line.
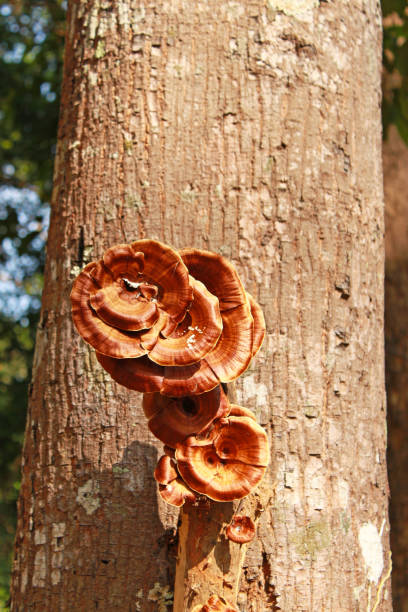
{"x":31,"y":35}
{"x":395,"y":62}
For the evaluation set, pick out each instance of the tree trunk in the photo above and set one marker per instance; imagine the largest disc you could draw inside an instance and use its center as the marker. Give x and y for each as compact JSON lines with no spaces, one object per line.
{"x":395,"y":154}
{"x":251,"y":129}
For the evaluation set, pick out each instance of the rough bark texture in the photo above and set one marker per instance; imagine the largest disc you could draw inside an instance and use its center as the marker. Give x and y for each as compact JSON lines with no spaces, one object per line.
{"x":252,"y":129}
{"x":395,"y":155}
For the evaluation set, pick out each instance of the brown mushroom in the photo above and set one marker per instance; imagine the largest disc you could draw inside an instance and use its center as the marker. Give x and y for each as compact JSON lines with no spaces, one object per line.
{"x":227,"y":464}
{"x":148,"y":377}
{"x":259,"y":324}
{"x":171,"y":488}
{"x":217,"y":274}
{"x":215,"y":604}
{"x":194,"y":336}
{"x":233,"y":351}
{"x":241,"y":411}
{"x":172,"y":420}
{"x":188,"y":345}
{"x":241,"y":529}
{"x":116,"y":298}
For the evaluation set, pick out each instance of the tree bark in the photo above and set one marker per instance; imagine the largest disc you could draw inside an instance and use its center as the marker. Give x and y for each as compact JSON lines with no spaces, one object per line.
{"x":251,"y":129}
{"x":395,"y":155}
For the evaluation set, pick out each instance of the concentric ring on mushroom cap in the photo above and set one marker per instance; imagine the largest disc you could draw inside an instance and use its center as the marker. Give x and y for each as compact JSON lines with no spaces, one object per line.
{"x":103,"y":337}
{"x":237,"y":343}
{"x":195,"y":336}
{"x":259,"y":324}
{"x":217,"y":274}
{"x":164,"y":267}
{"x":115,"y":296}
{"x":229,"y":463}
{"x":124,"y":314}
{"x":233,"y":352}
{"x":171,"y":419}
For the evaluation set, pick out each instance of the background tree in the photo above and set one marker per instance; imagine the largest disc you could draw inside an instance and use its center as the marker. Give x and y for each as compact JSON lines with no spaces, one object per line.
{"x":251,"y":131}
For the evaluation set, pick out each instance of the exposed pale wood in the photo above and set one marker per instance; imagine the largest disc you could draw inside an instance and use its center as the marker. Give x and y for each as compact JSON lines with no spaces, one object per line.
{"x":207,"y":562}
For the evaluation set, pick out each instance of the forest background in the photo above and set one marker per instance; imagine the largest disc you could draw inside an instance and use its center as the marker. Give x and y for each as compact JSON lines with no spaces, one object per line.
{"x":31,"y":59}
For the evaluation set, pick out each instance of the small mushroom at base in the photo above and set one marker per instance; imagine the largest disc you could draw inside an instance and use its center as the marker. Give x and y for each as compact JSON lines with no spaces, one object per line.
{"x":215,"y":604}
{"x":241,"y":529}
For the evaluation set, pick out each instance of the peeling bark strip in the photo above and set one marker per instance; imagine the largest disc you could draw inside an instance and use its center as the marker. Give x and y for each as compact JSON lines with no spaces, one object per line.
{"x":251,"y":129}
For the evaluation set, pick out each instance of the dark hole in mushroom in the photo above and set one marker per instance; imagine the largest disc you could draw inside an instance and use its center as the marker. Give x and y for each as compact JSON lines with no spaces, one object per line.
{"x":130,"y":285}
{"x":189,"y":406}
{"x":105,"y":561}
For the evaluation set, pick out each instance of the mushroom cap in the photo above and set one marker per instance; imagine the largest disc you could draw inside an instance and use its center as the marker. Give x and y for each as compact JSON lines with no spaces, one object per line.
{"x":177,"y":493}
{"x":148,"y":377}
{"x":215,"y":604}
{"x":240,"y":411}
{"x":119,"y":296}
{"x":233,"y":352}
{"x":194,"y":336}
{"x":227,"y":464}
{"x":164,"y":268}
{"x":217,"y":274}
{"x":241,"y":529}
{"x":180,"y":351}
{"x":171,"y":488}
{"x":172,"y":420}
{"x":106,"y":339}
{"x":165,"y":470}
{"x":259,"y":324}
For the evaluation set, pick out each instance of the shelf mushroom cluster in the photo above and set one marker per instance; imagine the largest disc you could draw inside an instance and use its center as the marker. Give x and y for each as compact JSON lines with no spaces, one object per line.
{"x":174,"y":325}
{"x":212,"y":448}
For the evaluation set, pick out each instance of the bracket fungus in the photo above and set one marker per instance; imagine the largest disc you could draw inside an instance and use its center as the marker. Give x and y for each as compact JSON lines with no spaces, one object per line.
{"x":173,"y":419}
{"x":176,"y":323}
{"x":241,"y":529}
{"x":171,"y":488}
{"x":228,"y":463}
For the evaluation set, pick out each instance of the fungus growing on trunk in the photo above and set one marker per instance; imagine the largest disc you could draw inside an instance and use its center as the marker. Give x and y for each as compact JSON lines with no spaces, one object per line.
{"x":116,"y":298}
{"x":241,"y":529}
{"x":167,"y":322}
{"x":228,"y":463}
{"x":172,"y":420}
{"x":171,"y":488}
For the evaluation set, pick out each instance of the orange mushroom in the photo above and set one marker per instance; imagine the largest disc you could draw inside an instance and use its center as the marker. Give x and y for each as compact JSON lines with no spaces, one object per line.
{"x":157,"y":329}
{"x":241,"y":529}
{"x":228,"y":463}
{"x":259,"y":324}
{"x":116,"y":298}
{"x":171,"y":488}
{"x":215,"y":604}
{"x":172,"y":420}
{"x":241,"y":411}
